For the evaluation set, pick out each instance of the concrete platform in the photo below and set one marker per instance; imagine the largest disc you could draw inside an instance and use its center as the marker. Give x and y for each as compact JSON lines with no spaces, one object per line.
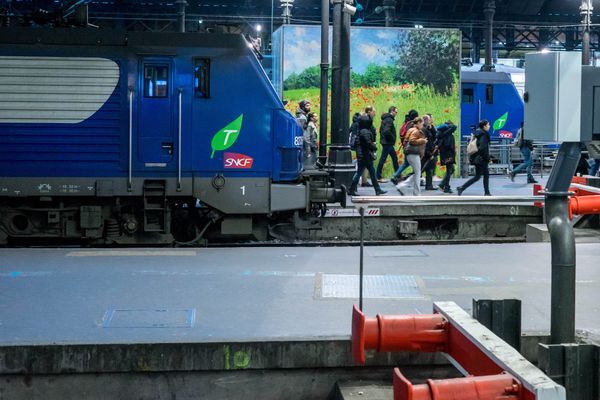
{"x":237,"y":322}
{"x":108,"y":296}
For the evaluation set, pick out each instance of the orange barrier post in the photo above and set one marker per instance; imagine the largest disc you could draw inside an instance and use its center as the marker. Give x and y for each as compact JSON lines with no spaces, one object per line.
{"x":425,"y":333}
{"x":492,"y":387}
{"x":584,"y":205}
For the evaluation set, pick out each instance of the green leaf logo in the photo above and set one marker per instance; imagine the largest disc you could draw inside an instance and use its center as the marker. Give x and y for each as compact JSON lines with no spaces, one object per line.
{"x":227,"y":136}
{"x":500,"y":122}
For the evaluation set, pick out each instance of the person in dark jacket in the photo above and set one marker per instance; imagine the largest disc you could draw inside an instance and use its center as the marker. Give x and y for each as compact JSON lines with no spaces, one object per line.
{"x":365,"y":154}
{"x":447,"y":148}
{"x":388,"y":137}
{"x":430,"y":159}
{"x":353,"y":140}
{"x":526,"y":147}
{"x":480,"y":159}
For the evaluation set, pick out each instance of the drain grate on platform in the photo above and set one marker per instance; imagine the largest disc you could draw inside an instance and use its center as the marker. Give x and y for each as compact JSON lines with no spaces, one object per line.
{"x":395,"y":253}
{"x":375,"y":287}
{"x":149,"y":318}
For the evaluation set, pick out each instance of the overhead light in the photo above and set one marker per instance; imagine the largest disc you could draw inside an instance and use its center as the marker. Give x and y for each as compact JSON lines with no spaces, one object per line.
{"x":545,"y":50}
{"x":418,"y":26}
{"x":258,"y":27}
{"x":200,"y":21}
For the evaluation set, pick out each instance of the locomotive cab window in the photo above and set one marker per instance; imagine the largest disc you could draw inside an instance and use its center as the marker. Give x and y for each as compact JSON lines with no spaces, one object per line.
{"x":489,"y":94}
{"x":202,"y":78}
{"x":156,"y":81}
{"x":467,"y":96}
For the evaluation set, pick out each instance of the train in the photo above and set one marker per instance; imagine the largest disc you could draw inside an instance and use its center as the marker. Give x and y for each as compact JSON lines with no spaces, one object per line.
{"x":139,"y":137}
{"x":492,"y":96}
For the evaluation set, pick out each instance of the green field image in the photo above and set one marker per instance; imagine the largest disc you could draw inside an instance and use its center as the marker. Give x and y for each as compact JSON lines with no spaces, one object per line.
{"x":405,"y":97}
{"x":407,"y":68}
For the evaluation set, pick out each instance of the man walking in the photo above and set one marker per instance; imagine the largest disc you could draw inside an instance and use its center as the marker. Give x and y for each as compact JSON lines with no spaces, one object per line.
{"x":526,"y":147}
{"x":388,"y":135}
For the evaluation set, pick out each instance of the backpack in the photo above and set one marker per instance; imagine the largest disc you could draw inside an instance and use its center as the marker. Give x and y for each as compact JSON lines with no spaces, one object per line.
{"x":404,"y":130}
{"x":472,"y":146}
{"x":519,"y":140}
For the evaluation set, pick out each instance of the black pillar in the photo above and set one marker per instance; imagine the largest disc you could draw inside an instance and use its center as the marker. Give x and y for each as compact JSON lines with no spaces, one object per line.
{"x":562,"y":236}
{"x":586,"y":12}
{"x":476,"y":43}
{"x":489,"y":9}
{"x":389,"y":6}
{"x":181,"y":5}
{"x":339,"y":162}
{"x":324,"y":80}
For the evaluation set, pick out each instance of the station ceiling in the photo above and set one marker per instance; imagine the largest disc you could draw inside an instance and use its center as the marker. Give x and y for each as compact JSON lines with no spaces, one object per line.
{"x":455,"y":13}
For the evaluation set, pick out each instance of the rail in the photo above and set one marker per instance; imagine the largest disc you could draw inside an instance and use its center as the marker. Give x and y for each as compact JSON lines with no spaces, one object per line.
{"x":179,"y":144}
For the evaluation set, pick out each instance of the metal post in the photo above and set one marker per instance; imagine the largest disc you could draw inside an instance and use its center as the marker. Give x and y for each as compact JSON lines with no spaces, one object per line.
{"x":339,"y":162}
{"x":336,"y":70}
{"x":179,"y":142}
{"x":129,"y":178}
{"x":389,"y":6}
{"x":562,"y":236}
{"x":489,"y":9}
{"x":586,"y":12}
{"x":181,"y":5}
{"x":324,"y":80}
{"x":361,"y":211}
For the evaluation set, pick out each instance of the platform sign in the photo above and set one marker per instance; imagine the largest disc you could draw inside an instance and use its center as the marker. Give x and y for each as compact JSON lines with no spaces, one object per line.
{"x":351,"y":212}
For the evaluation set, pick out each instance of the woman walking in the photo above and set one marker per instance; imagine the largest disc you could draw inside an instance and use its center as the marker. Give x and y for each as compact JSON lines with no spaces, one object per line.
{"x":414,"y":149}
{"x":480,"y":159}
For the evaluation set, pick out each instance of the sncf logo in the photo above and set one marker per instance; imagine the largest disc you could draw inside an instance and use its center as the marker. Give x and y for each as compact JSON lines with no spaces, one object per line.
{"x":237,"y":161}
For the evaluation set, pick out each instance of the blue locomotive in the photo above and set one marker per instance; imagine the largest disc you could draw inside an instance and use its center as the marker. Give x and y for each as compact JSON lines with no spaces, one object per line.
{"x":140,"y":137}
{"x":492,"y":96}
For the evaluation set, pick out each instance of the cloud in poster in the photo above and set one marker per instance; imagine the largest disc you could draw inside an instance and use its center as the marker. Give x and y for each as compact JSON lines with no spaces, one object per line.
{"x":385,"y":35}
{"x":368,"y":51}
{"x":300,"y":55}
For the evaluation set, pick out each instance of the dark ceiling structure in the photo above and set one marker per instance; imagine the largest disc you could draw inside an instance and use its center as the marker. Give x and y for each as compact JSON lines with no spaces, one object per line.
{"x":519,"y":24}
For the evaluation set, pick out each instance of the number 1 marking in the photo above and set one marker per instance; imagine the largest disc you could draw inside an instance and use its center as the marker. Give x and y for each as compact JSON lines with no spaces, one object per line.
{"x":243,"y":190}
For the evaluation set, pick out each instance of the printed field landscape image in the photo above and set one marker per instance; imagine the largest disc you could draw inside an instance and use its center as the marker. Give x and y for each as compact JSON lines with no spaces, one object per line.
{"x":408,"y":68}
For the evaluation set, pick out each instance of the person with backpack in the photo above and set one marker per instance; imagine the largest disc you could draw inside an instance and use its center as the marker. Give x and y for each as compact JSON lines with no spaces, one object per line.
{"x":365,"y":154}
{"x":408,"y":123}
{"x":526,"y":147}
{"x":414,"y":150}
{"x":447,"y":148}
{"x":479,"y":156}
{"x":388,"y":137}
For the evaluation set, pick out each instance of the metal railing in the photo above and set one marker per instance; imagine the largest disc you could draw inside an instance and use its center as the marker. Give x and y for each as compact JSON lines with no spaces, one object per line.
{"x":505,"y":156}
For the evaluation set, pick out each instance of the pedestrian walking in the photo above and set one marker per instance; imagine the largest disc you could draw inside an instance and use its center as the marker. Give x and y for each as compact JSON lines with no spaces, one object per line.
{"x":480,"y":158}
{"x":447,"y":148}
{"x":414,"y":149}
{"x":388,"y":137}
{"x":365,"y":154}
{"x":526,"y":148}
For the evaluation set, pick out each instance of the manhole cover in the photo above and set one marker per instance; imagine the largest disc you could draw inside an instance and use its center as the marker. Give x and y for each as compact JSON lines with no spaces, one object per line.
{"x":374,"y":287}
{"x":149,"y":318}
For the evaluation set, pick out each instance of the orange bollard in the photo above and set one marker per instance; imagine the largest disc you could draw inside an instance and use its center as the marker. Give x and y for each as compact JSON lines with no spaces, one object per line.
{"x":584,"y":205}
{"x":491,"y":387}
{"x":397,"y":333}
{"x":537,"y":189}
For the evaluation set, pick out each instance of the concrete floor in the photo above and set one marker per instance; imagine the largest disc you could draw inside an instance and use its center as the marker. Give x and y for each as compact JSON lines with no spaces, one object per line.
{"x":249,"y":294}
{"x":500,"y":185}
